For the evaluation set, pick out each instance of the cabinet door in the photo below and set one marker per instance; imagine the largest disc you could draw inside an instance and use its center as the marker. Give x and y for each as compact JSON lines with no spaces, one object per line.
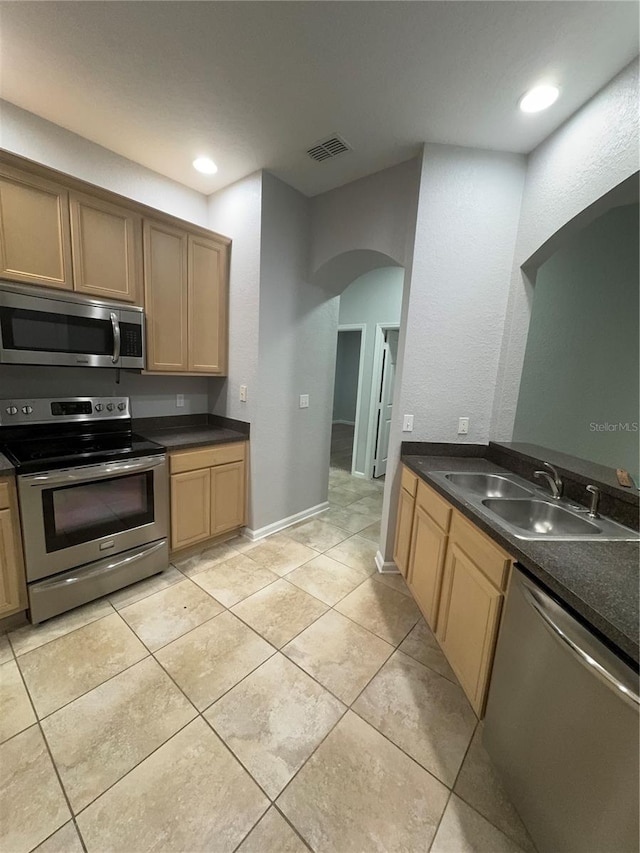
{"x":12,"y":581}
{"x":106,"y":249}
{"x":165,"y":288}
{"x":208,"y":286}
{"x":468,"y":624}
{"x":227,"y":497}
{"x":404,"y":526}
{"x":428,"y":547}
{"x":190,"y":507}
{"x":35,"y":239}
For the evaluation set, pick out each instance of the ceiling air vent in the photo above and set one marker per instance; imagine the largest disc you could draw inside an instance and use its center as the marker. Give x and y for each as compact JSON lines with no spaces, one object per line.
{"x":328,"y":148}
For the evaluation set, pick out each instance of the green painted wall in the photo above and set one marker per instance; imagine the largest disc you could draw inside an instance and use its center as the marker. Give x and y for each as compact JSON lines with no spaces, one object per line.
{"x":581,"y":368}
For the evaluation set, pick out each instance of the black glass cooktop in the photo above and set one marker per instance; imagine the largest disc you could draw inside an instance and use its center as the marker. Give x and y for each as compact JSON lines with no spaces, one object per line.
{"x":47,"y":451}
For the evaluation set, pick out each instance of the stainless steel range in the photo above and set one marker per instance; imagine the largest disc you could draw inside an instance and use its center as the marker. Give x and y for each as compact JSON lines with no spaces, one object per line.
{"x":93,"y":498}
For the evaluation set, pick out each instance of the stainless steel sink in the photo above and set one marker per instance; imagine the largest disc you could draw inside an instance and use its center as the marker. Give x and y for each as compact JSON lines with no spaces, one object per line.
{"x":488,"y":485}
{"x":526,"y":511}
{"x":542,"y":518}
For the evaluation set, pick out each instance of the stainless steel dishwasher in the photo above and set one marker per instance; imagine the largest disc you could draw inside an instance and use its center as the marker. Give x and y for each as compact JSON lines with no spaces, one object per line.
{"x":562,"y":728}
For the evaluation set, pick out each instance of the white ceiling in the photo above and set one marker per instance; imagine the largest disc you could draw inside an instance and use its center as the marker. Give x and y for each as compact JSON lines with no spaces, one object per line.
{"x":254,"y":84}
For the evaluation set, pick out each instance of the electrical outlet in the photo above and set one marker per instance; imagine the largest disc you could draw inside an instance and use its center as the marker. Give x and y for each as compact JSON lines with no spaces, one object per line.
{"x":407,"y":423}
{"x":463,"y":426}
{"x":179,"y":400}
{"x":243,"y":393}
{"x":304,"y":401}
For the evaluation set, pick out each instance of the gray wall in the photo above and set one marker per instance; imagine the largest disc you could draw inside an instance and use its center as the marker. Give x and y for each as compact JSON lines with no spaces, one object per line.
{"x":297,"y":339}
{"x":236,"y":212}
{"x":453,"y":312}
{"x":345,"y":391}
{"x":151,"y":396}
{"x":374,"y":298}
{"x":581,"y":360}
{"x":590,"y":154}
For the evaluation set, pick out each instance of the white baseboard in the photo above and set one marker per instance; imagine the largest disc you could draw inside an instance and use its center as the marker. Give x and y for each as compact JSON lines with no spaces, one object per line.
{"x":386,"y":566}
{"x":268,"y":529}
{"x":345,"y":423}
{"x":360,"y":475}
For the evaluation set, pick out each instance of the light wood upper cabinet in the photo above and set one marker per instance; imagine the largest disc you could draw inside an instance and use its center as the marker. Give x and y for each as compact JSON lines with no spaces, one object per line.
{"x":207,"y":327}
{"x":190,"y":507}
{"x":35,"y":240}
{"x":165,"y":286}
{"x":13,"y":596}
{"x":468,"y":623}
{"x":227,"y":497}
{"x":428,"y":547}
{"x":106,"y":249}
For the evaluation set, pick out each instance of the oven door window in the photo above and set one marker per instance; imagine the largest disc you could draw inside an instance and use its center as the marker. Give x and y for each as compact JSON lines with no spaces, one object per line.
{"x":84,"y":512}
{"x":42,"y":331}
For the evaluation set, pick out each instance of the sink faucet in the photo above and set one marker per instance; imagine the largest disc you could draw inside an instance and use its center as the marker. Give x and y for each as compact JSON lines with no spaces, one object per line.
{"x":595,"y":501}
{"x":553,"y":479}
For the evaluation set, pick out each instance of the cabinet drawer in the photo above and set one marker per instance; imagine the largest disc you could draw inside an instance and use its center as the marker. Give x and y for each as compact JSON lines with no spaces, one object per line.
{"x":488,"y":557}
{"x":409,"y":481}
{"x":206,"y":457}
{"x":4,"y":495}
{"x":435,"y":506}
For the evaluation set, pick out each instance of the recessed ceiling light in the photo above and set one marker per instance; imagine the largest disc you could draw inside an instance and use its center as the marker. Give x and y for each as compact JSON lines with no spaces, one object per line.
{"x":539,"y":98}
{"x":205,"y":165}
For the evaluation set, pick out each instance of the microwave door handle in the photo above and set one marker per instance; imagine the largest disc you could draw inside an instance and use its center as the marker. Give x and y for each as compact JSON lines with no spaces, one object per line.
{"x":115,"y":325}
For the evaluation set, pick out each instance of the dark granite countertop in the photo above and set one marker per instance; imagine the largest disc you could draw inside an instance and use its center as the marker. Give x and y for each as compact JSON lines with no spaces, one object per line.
{"x":5,"y":466}
{"x":180,"y":438}
{"x":179,"y":432}
{"x":597,"y":580}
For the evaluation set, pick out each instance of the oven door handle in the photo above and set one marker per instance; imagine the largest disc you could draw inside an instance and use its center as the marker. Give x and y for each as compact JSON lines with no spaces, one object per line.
{"x":94,"y":472}
{"x":115,"y":325}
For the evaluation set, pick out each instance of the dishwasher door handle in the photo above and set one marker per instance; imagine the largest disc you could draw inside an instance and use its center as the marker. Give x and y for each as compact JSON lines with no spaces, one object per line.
{"x":540,"y":602}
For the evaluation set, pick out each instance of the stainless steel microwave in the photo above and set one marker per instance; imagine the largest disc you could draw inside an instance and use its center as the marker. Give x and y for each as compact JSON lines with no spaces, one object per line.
{"x":41,"y":327}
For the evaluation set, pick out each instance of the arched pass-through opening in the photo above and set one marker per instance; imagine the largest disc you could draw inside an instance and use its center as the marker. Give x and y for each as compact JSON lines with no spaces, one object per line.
{"x":370,"y":286}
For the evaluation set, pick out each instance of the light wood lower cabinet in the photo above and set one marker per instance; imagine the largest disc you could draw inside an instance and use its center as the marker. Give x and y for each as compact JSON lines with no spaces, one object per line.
{"x":468,"y":623}
{"x":227,"y":497}
{"x":206,"y":501}
{"x":13,"y":595}
{"x":458,"y":576}
{"x":428,"y":548}
{"x":404,"y":527}
{"x":35,"y":238}
{"x":190,"y":507}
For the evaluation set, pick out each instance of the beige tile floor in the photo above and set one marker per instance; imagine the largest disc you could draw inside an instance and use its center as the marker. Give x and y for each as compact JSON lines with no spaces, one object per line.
{"x":269,"y":697}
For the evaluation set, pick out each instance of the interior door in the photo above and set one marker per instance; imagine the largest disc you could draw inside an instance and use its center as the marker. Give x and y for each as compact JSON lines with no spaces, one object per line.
{"x":385,"y":401}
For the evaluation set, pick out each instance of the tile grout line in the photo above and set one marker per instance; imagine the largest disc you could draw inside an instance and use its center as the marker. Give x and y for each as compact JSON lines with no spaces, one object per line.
{"x":66,"y":633}
{"x":55,"y":768}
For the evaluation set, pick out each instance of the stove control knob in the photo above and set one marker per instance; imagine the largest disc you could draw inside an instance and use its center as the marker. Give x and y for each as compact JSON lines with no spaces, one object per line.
{"x":110,"y":407}
{"x":26,"y":410}
{"x":12,"y":410}
{"x":122,"y":406}
{"x":99,"y":407}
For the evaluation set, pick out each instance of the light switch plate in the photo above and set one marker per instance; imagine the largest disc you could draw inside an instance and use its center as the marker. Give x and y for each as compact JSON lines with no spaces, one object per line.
{"x":463,"y":426}
{"x":243,"y":393}
{"x":407,"y":423}
{"x":179,"y":400}
{"x":304,"y":401}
